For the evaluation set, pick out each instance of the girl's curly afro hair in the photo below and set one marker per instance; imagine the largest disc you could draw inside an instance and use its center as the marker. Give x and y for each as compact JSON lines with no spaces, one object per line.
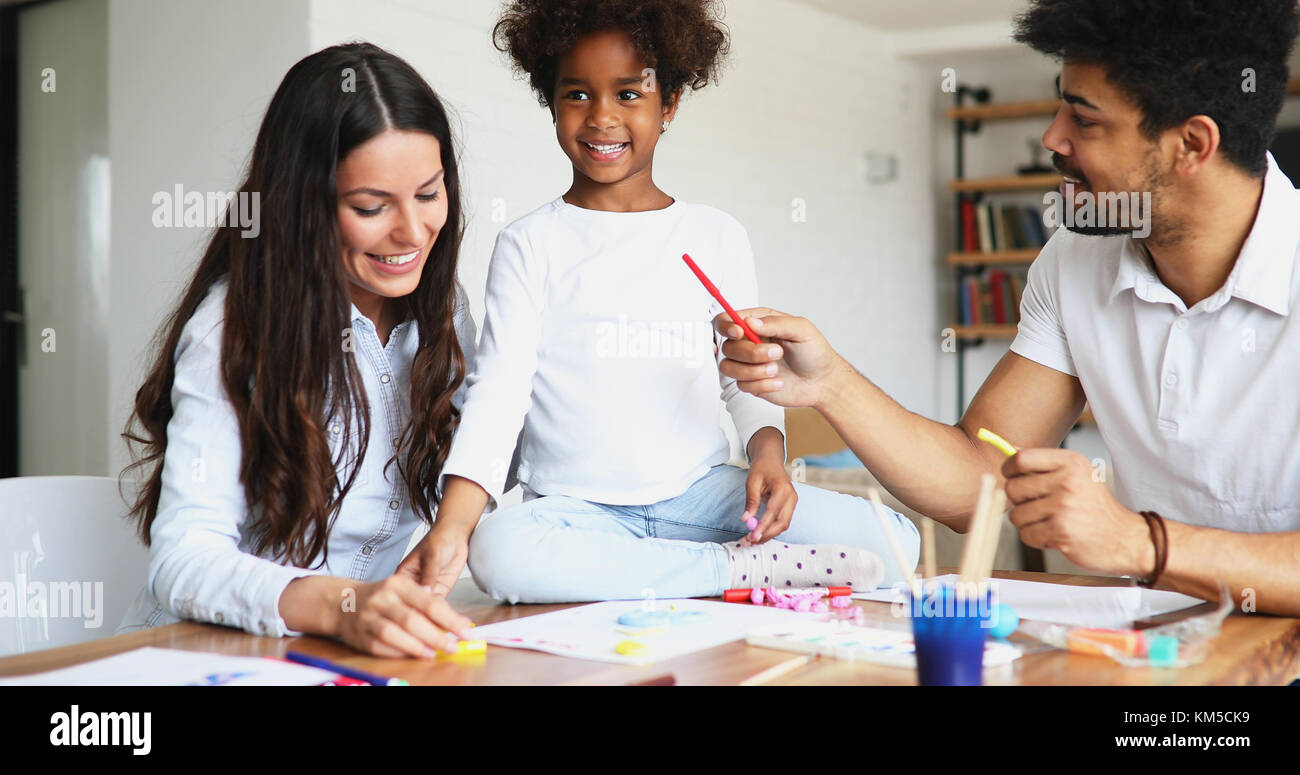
{"x":683,"y":40}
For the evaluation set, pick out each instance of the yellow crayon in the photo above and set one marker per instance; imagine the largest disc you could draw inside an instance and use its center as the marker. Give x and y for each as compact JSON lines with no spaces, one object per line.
{"x":987,"y":435}
{"x":466,"y":648}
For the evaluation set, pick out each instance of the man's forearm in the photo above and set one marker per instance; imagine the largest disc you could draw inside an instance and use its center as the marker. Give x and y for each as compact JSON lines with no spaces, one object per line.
{"x":1262,"y":569}
{"x":932,"y":467}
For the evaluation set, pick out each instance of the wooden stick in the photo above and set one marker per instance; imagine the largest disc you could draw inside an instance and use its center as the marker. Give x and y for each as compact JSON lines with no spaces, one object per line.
{"x":974,"y":536}
{"x":927,"y":547}
{"x":989,"y":555}
{"x":892,"y":536}
{"x":779,"y":669}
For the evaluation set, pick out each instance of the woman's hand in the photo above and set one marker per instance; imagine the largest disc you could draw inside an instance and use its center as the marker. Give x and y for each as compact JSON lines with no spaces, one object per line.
{"x":393,"y":617}
{"x":768,"y":481}
{"x":397,"y":617}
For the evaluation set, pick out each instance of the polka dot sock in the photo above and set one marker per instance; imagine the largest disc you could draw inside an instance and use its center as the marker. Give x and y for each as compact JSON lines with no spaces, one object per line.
{"x":786,"y":566}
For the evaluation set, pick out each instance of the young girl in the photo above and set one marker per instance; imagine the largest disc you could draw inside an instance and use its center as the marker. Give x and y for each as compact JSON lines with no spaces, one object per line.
{"x":597,"y":339}
{"x":304,"y":393}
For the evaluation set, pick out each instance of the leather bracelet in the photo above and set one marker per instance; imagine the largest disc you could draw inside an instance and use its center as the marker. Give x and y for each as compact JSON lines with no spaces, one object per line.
{"x":1160,"y":542}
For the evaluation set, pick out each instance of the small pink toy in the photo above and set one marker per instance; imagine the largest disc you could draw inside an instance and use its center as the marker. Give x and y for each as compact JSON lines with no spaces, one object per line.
{"x":751,"y":523}
{"x":756,"y":597}
{"x":843,"y":601}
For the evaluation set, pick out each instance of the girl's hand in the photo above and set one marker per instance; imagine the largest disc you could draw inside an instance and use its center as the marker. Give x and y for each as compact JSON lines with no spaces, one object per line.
{"x":436,"y":562}
{"x":397,"y":617}
{"x":768,"y":481}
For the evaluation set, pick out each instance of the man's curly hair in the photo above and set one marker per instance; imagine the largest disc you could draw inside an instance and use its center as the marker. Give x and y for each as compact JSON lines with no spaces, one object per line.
{"x":1181,"y":58}
{"x":683,"y":40}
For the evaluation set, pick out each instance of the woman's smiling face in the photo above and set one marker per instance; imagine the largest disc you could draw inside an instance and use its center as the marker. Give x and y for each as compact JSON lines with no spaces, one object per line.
{"x":607,"y":118}
{"x":391,"y":206}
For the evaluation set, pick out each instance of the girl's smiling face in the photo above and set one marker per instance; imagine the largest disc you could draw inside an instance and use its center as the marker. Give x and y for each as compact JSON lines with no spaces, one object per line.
{"x":607,"y":120}
{"x":391,"y":206}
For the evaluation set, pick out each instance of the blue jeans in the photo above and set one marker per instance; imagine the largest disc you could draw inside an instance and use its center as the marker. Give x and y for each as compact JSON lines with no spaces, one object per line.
{"x":557,"y":549}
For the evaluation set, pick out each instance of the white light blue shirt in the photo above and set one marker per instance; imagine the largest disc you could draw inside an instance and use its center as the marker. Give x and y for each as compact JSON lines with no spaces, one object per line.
{"x":1198,"y":406}
{"x":200,"y":561}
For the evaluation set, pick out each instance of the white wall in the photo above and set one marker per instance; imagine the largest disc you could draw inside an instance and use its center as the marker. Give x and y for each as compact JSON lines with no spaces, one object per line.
{"x":188,"y":82}
{"x":805,"y":96}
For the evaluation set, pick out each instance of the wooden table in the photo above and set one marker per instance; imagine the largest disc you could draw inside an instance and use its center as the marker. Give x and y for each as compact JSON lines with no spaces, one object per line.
{"x":1251,"y":649}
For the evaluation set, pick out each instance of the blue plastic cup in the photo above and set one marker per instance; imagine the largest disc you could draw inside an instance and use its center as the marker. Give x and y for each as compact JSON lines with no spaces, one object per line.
{"x":949,"y":632}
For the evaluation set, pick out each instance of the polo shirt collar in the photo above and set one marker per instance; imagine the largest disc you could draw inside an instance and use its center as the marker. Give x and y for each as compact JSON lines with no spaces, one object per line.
{"x":1262,"y":275}
{"x":1262,"y":272}
{"x":1135,"y":271}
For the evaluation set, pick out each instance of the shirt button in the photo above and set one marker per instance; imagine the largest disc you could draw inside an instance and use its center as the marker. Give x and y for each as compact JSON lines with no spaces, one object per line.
{"x":366,"y":550}
{"x":336,"y":429}
{"x":1181,"y":324}
{"x":384,"y":378}
{"x":1171,"y":380}
{"x":393,"y":505}
{"x":218,"y":618}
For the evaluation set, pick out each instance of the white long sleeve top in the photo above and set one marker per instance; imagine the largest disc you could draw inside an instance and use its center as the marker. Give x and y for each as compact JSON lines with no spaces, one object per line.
{"x":597,"y":341}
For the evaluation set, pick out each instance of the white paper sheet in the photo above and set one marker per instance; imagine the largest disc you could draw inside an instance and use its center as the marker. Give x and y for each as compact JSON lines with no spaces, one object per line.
{"x":842,"y":640}
{"x":1112,"y":607}
{"x":592,"y":631}
{"x":150,"y":666}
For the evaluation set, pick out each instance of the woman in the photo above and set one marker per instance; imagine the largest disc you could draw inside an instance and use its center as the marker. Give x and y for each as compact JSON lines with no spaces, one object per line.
{"x":305,"y":391}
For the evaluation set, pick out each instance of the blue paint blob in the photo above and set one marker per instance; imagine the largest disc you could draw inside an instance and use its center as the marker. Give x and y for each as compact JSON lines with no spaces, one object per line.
{"x":1003,"y":621}
{"x":639,"y":618}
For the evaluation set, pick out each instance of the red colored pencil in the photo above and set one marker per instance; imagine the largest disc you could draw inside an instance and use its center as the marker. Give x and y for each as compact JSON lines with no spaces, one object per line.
{"x":717,"y":294}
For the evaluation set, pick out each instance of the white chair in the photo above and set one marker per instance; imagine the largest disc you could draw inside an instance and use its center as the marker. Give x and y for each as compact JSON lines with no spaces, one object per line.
{"x":70,"y":562}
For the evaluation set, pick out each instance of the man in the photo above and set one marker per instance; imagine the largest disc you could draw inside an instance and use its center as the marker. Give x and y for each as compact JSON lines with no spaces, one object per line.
{"x":1185,"y":341}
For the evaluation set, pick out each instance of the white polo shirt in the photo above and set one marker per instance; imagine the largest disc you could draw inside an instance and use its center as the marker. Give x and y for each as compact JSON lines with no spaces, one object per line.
{"x":1200,"y":407}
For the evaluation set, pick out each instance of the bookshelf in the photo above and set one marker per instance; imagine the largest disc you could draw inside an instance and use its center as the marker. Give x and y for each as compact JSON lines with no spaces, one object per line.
{"x":985,"y":331}
{"x":972,"y":107}
{"x":1008,"y":183}
{"x":976,"y":258}
{"x":967,"y":263}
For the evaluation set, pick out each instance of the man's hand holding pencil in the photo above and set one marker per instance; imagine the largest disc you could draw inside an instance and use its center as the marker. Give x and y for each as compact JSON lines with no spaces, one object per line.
{"x":793,"y":366}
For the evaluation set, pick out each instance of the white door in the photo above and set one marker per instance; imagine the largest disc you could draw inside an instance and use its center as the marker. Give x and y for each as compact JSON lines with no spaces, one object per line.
{"x":63,"y":218}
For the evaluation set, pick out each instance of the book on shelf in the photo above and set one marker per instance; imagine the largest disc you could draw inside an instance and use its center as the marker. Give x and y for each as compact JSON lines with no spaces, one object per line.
{"x":1017,"y":288}
{"x":989,"y":227}
{"x":996,"y":277}
{"x":970,"y":237}
{"x":985,"y":235}
{"x":999,"y":228}
{"x":1014,"y":223}
{"x":991,"y":298}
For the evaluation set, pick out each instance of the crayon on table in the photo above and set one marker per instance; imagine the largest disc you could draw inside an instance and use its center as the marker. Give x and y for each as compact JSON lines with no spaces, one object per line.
{"x":360,"y":675}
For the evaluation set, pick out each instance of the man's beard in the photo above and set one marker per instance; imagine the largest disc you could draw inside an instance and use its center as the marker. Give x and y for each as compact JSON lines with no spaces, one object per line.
{"x":1154,"y":180}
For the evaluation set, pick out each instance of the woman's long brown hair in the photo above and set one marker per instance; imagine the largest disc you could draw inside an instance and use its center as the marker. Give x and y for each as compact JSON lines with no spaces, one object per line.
{"x":284,"y":366}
